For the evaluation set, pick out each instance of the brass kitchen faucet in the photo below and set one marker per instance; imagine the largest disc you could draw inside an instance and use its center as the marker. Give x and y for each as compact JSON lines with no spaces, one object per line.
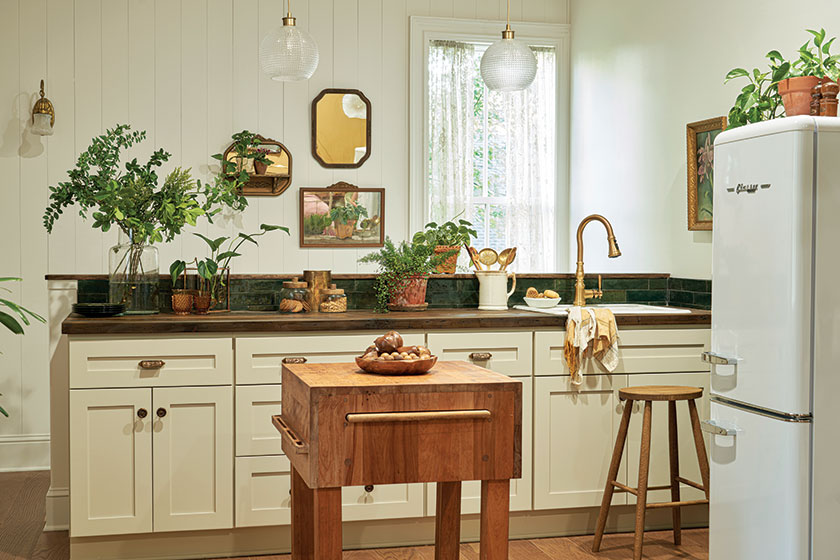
{"x":582,"y":294}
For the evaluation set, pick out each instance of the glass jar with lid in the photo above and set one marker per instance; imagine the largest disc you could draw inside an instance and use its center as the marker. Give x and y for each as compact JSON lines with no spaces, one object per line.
{"x":333,"y":300}
{"x":293,"y":297}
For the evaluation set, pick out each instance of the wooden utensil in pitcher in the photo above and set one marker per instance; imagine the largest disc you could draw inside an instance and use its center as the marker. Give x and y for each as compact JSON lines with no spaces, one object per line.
{"x":506,"y":257}
{"x":474,"y":257}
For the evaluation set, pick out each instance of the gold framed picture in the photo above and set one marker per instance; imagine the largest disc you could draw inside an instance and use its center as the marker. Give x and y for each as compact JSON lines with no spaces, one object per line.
{"x":700,"y":153}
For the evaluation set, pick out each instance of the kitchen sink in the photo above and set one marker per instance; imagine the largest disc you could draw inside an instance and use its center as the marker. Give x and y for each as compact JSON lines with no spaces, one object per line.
{"x":616,"y":308}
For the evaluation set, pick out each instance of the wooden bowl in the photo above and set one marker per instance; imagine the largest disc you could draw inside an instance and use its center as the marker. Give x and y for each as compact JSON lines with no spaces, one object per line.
{"x":397,"y":367}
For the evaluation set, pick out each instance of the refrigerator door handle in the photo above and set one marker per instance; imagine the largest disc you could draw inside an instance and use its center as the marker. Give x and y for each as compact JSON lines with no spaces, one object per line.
{"x":712,"y":427}
{"x":718,"y":360}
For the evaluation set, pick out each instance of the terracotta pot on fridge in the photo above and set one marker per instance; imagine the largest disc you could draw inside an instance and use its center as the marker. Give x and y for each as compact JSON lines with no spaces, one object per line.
{"x":796,"y":94}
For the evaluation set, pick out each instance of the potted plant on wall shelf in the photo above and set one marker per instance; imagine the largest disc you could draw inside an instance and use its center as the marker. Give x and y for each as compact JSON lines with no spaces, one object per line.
{"x":145,"y":213}
{"x":402,"y":275}
{"x":246,"y":147}
{"x":12,"y":319}
{"x":447,"y":239}
{"x":213,"y":271}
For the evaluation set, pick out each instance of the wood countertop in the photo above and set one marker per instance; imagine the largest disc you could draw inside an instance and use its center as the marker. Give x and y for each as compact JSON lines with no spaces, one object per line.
{"x":270,"y":322}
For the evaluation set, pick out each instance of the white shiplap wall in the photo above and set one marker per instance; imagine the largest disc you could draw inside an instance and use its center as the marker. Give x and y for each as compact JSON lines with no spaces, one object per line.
{"x":185,"y":71}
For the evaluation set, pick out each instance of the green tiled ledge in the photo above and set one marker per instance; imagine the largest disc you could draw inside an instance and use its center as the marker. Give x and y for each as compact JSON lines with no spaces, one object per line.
{"x":260,"y":294}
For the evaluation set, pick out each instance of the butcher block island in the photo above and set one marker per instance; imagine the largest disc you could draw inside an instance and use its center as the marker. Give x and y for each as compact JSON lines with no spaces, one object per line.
{"x":163,"y":444}
{"x":343,"y":427}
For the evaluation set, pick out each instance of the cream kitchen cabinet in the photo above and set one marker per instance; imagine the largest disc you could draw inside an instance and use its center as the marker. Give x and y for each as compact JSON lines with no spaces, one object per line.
{"x":520,"y":488}
{"x":255,"y":434}
{"x":504,"y":352}
{"x":263,"y":491}
{"x":382,"y":501}
{"x":150,"y":460}
{"x":574,"y":429}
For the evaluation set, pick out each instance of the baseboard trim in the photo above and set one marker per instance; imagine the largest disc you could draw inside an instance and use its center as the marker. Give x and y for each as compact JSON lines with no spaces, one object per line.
{"x":24,"y":452}
{"x":58,"y":509}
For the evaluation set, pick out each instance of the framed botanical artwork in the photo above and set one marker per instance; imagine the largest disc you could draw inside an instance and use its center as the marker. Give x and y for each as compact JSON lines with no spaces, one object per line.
{"x":342,"y":215}
{"x":700,"y":141}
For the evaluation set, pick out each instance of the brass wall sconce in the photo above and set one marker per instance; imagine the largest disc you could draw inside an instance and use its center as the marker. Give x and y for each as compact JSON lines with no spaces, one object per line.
{"x":43,"y":115}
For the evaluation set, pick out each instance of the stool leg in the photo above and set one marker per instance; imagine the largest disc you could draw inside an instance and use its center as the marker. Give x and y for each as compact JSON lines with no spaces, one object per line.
{"x":674,"y":455}
{"x":699,"y":445}
{"x":620,"y":440}
{"x":641,"y":497}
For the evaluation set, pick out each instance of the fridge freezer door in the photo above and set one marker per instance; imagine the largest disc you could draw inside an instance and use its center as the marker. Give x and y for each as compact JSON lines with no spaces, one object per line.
{"x":761,"y":289}
{"x":760,"y":487}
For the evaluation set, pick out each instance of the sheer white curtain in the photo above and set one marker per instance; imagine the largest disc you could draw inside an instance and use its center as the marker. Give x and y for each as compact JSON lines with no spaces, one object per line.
{"x":452,"y":74}
{"x":530,"y":168}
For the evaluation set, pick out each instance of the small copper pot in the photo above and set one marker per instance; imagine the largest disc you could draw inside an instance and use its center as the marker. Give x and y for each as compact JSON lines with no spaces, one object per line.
{"x":182,"y":302}
{"x":202,"y":301}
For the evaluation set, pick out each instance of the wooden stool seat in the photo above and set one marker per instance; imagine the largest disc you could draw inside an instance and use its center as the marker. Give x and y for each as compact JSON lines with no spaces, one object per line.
{"x":648,"y":394}
{"x":660,"y":393}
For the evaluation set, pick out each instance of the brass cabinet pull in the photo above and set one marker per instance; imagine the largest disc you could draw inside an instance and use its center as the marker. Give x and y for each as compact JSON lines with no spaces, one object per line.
{"x":364,"y":417}
{"x":151,"y":364}
{"x":369,"y":488}
{"x":294,"y":360}
{"x":161,"y":412}
{"x":480,"y":356}
{"x":142,"y":413}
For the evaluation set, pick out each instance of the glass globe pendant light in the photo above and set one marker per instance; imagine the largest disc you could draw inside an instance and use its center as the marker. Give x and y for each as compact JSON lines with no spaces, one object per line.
{"x":288,"y":54}
{"x":508,"y":65}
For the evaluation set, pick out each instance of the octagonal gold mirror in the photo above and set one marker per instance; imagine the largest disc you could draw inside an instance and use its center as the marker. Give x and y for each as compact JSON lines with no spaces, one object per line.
{"x":341,"y":128}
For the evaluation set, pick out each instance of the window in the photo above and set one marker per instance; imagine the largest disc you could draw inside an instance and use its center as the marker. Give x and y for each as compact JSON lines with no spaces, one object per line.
{"x":493,"y":156}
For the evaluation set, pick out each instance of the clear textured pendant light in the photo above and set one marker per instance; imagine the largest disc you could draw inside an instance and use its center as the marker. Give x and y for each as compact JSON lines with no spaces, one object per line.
{"x":508,"y":65}
{"x":288,"y":54}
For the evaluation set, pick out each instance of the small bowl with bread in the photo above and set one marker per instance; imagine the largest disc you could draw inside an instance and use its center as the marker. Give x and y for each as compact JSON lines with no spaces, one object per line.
{"x":541,"y":300}
{"x":390,"y":356}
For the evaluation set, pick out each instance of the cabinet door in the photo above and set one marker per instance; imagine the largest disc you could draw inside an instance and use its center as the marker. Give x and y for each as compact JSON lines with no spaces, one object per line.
{"x":381,"y":501}
{"x":520,"y":488}
{"x":574,"y":434}
{"x":193,"y":458}
{"x":255,"y":434}
{"x":259,"y":360}
{"x":110,"y":461}
{"x":659,"y":472}
{"x":263,"y":491}
{"x":505,"y":352}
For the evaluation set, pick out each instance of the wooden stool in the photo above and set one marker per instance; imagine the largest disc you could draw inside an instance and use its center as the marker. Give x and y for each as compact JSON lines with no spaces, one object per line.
{"x":648,"y":394}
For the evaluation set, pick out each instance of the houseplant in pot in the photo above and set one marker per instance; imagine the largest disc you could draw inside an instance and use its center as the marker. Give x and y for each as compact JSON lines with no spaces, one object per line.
{"x":402,"y":275}
{"x":447,"y":239}
{"x":145,"y":211}
{"x":245,"y":147}
{"x":213,"y":271}
{"x":345,"y":217}
{"x":815,"y":65}
{"x":12,"y":315}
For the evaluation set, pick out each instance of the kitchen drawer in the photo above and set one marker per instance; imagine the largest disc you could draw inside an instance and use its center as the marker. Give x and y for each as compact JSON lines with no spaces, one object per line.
{"x":509,"y":352}
{"x":259,"y":359}
{"x":263,"y":491}
{"x":382,"y":501}
{"x":255,"y":434}
{"x":116,"y":362}
{"x":640,"y":351}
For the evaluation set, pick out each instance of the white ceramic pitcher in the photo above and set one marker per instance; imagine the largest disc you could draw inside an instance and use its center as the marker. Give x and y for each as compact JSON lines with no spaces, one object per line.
{"x":492,"y":289}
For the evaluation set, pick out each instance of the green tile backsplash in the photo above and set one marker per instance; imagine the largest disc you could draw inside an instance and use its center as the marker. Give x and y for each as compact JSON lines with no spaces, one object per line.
{"x":250,"y":294}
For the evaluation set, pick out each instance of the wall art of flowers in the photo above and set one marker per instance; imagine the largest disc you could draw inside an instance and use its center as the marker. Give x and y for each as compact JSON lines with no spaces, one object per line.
{"x":701,"y":179}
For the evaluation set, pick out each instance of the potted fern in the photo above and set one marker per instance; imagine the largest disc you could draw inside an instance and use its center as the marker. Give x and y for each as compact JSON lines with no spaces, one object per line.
{"x":12,"y":316}
{"x":403,"y":273}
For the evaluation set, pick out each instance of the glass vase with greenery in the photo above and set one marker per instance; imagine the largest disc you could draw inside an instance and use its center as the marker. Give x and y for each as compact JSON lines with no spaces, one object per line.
{"x":212,"y":279}
{"x":11,"y":317}
{"x":401,"y":268}
{"x":145,"y":212}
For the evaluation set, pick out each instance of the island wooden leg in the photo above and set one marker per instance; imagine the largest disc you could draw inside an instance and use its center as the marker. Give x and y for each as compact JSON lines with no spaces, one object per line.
{"x":327,"y":523}
{"x":303,"y":519}
{"x":448,"y":521}
{"x":495,"y":510}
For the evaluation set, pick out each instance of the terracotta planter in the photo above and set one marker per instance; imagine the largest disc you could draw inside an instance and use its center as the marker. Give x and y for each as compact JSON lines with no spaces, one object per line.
{"x":796,"y":94}
{"x":182,"y":302}
{"x":345,"y":231}
{"x":412,"y":297}
{"x":448,"y":265}
{"x":202,"y":301}
{"x":260,"y":167}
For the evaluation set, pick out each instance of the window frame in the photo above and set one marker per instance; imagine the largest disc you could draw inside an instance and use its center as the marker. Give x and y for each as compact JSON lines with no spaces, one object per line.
{"x":425,"y":29}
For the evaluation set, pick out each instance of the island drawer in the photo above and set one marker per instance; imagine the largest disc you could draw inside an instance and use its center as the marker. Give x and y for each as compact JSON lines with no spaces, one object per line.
{"x":503,"y":352}
{"x":255,"y":434}
{"x":259,"y":360}
{"x":639,"y":350}
{"x":150,"y":362}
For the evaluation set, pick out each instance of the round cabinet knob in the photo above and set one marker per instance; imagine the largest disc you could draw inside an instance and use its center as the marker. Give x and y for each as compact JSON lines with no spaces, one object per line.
{"x":142,"y":413}
{"x":369,"y":488}
{"x":161,"y":412}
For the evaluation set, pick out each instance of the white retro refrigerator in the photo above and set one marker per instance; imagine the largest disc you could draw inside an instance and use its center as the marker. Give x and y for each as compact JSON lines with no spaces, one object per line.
{"x":775,"y":351}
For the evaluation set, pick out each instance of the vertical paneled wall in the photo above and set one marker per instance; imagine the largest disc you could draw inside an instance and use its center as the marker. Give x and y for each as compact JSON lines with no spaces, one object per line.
{"x":186,"y":72}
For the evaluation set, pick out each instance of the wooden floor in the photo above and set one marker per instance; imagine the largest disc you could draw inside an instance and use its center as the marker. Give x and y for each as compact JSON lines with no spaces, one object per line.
{"x":22,"y":520}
